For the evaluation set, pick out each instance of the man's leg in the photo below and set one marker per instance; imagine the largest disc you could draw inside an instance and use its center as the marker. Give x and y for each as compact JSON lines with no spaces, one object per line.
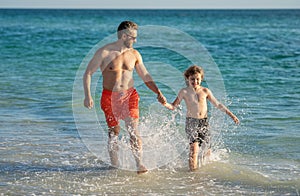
{"x":113,"y":133}
{"x":136,"y":143}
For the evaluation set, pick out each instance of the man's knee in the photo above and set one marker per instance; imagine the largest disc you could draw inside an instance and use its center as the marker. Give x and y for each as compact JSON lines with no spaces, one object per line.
{"x":113,"y":131}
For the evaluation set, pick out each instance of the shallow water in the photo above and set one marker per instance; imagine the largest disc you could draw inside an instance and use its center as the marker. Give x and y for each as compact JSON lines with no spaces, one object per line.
{"x":45,"y":149}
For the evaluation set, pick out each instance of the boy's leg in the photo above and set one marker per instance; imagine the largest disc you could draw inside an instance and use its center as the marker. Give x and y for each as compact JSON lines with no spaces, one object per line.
{"x":113,"y":133}
{"x":206,"y":156}
{"x":206,"y":149}
{"x":193,"y":156}
{"x":207,"y":153}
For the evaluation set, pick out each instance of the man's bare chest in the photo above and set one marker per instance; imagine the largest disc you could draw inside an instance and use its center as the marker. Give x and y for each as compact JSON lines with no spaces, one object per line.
{"x":116,"y":62}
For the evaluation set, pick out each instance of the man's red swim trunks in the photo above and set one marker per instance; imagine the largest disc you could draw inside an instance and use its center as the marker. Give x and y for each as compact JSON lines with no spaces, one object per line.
{"x":119,"y":105}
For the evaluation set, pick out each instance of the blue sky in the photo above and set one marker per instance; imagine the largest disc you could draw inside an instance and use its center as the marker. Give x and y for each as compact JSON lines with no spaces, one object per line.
{"x":152,"y":4}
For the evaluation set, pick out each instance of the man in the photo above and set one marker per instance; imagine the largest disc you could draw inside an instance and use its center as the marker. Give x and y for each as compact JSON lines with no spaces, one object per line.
{"x":119,"y":100}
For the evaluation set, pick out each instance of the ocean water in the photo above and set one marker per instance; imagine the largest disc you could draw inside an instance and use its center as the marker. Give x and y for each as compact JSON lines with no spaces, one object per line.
{"x":51,"y":145}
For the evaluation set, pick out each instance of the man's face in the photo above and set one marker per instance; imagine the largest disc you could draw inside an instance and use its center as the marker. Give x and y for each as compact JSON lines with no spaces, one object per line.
{"x":131,"y":36}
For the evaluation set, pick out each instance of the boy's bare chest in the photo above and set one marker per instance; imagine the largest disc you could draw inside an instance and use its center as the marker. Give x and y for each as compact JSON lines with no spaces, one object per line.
{"x":196,"y":96}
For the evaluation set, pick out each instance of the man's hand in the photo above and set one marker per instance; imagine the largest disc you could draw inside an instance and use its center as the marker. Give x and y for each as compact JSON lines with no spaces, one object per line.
{"x":161,"y":98}
{"x":88,"y":103}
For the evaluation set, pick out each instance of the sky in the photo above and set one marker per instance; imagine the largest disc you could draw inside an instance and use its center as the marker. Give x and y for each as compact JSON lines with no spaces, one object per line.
{"x":153,"y":4}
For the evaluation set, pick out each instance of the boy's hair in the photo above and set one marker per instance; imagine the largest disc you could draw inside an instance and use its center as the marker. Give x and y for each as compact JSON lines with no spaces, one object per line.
{"x":125,"y":26}
{"x":194,"y":69}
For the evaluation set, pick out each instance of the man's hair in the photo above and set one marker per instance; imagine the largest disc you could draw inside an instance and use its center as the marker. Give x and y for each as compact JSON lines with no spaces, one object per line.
{"x":194,"y":69}
{"x":125,"y":26}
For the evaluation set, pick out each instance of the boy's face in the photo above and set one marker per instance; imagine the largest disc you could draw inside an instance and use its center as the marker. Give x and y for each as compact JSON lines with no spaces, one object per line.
{"x":194,"y":80}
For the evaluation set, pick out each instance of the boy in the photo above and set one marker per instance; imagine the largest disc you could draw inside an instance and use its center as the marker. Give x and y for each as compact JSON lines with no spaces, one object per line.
{"x":196,"y":127}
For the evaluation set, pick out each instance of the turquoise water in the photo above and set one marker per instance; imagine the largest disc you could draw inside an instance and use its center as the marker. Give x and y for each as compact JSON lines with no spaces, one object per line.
{"x":257,"y":53}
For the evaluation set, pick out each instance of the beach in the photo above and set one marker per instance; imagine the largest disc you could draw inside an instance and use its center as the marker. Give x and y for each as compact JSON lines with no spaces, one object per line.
{"x":50,"y":144}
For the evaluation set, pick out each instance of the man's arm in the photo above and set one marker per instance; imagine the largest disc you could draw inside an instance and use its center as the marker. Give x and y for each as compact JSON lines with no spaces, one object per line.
{"x":146,"y":77}
{"x":91,"y":68}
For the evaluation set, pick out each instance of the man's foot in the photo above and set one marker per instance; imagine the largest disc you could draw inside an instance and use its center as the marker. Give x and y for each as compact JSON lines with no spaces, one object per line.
{"x":142,"y":170}
{"x":111,"y":167}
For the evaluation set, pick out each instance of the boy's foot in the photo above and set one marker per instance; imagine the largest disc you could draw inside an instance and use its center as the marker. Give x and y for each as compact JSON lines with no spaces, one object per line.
{"x":194,"y":170}
{"x":142,"y":170}
{"x":206,"y":157}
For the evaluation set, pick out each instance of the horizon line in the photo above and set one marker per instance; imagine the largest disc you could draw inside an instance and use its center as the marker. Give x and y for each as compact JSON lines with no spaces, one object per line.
{"x":75,"y":8}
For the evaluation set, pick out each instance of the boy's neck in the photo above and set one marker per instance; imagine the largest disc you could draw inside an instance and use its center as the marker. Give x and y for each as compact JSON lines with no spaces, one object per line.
{"x":195,"y":88}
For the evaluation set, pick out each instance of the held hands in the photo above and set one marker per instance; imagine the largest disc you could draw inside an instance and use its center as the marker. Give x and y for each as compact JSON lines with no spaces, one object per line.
{"x":161,"y":98}
{"x":164,"y":102}
{"x":88,"y":103}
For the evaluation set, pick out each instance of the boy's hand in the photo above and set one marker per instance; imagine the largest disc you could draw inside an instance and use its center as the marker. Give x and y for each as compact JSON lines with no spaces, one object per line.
{"x":236,"y":120}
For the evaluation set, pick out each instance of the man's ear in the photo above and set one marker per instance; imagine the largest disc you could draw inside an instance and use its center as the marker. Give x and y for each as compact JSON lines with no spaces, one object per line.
{"x":123,"y":37}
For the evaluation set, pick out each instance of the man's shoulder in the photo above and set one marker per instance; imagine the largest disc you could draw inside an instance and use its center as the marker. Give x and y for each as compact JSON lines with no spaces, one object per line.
{"x":134,"y":51}
{"x":107,"y":47}
{"x":105,"y":50}
{"x":101,"y":50}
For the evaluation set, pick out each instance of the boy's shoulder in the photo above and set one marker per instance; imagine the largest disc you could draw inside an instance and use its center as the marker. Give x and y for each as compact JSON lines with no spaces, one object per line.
{"x":184,"y":89}
{"x":204,"y":88}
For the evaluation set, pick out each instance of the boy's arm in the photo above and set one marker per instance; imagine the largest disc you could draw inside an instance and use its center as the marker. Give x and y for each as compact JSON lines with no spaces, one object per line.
{"x":228,"y":112}
{"x":220,"y":106}
{"x":175,"y":103}
{"x":169,"y":106}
